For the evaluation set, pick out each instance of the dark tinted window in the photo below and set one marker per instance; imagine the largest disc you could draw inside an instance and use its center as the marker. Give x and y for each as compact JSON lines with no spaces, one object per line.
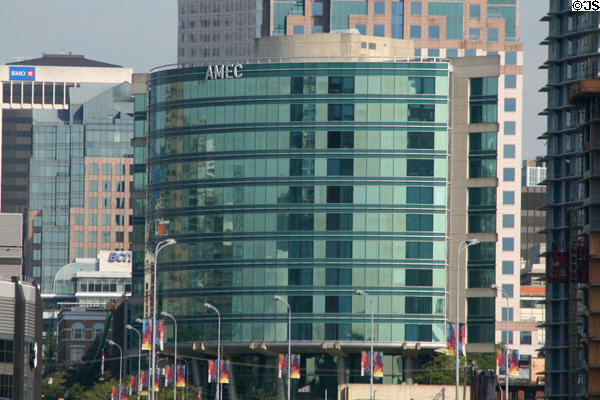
{"x":339,"y":222}
{"x":340,"y":139}
{"x":421,"y":112}
{"x":419,"y":277}
{"x":419,"y":167}
{"x":339,"y":194}
{"x":420,"y":140}
{"x":419,"y":195}
{"x":341,"y":84}
{"x":340,"y":167}
{"x":340,"y":112}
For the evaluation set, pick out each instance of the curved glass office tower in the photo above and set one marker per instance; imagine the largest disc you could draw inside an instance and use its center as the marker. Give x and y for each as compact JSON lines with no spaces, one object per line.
{"x":309,"y":181}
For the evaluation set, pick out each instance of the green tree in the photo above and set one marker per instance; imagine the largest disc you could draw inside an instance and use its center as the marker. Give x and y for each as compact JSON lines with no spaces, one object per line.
{"x":441,"y":369}
{"x":49,"y":357}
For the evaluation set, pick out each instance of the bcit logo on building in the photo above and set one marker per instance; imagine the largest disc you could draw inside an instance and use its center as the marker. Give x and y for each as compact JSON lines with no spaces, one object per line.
{"x":21,"y":73}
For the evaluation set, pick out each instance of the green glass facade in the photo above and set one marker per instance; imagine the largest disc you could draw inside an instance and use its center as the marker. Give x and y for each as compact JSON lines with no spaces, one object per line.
{"x":307,"y":181}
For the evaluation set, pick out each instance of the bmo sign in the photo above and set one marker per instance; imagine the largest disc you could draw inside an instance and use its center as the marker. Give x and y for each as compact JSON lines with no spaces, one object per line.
{"x":21,"y":73}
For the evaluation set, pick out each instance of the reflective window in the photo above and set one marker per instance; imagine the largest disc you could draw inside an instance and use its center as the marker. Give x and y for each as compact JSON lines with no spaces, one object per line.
{"x":508,"y":221}
{"x":340,"y":167}
{"x":423,"y":250}
{"x":317,"y":9}
{"x":340,"y":112}
{"x":340,"y":139}
{"x":379,"y":8}
{"x":510,"y":104}
{"x":508,"y":175}
{"x":298,"y":30}
{"x":420,"y":140}
{"x":421,"y":112}
{"x":302,"y":140}
{"x":434,"y":31}
{"x":508,"y":290}
{"x":475,"y":11}
{"x":418,"y":305}
{"x":415,"y":8}
{"x":419,"y":222}
{"x":507,"y":267}
{"x":419,"y":277}
{"x":508,"y":244}
{"x":510,"y":58}
{"x":508,"y":197}
{"x":510,"y":81}
{"x":419,"y":195}
{"x":341,"y":84}
{"x":509,"y":151}
{"x":507,"y":337}
{"x":474,"y":33}
{"x":509,"y":127}
{"x":415,"y":31}
{"x":361,"y":28}
{"x":339,"y":194}
{"x":451,"y":53}
{"x":421,"y":85}
{"x":379,"y":30}
{"x":492,"y":34}
{"x":419,"y":167}
{"x":525,"y":337}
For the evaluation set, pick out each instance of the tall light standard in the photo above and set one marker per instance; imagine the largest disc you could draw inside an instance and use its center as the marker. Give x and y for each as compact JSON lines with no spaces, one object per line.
{"x":289,"y":363}
{"x":120,"y":362}
{"x":461,"y":247}
{"x":364,"y":293}
{"x":505,"y":295}
{"x":210,"y":306}
{"x":166,"y":314}
{"x":159,"y":246}
{"x":131,"y":328}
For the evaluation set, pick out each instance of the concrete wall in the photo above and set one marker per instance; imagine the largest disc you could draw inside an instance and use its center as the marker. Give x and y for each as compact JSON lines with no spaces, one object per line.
{"x":356,"y":391}
{"x":325,"y":45}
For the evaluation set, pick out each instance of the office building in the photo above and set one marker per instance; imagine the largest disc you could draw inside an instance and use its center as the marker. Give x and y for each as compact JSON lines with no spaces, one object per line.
{"x":66,"y":155}
{"x":437,"y":29}
{"x":328,"y":177}
{"x":11,"y":246}
{"x":20,"y":340}
{"x":572,"y":203}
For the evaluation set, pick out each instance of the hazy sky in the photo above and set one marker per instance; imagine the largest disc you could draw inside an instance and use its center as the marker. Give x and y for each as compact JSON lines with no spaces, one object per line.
{"x":143,"y":34}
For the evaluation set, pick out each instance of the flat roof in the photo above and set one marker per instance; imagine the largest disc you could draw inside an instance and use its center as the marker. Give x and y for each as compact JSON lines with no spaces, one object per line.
{"x":64,"y":60}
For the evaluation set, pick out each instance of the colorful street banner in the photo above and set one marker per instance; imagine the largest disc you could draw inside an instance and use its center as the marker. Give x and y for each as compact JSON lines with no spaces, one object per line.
{"x":180,"y":376}
{"x":224,"y":376}
{"x":168,"y":375}
{"x":513,"y":363}
{"x":113,"y":393}
{"x":160,"y":332}
{"x":131,"y":386}
{"x":461,"y":343}
{"x":500,"y":361}
{"x":147,"y":334}
{"x":378,"y":365}
{"x":212,"y":371}
{"x":143,"y":383}
{"x":282,"y":370}
{"x":124,"y":393}
{"x":365,"y":364}
{"x":295,"y":366}
{"x":157,"y":380}
{"x":451,"y":339}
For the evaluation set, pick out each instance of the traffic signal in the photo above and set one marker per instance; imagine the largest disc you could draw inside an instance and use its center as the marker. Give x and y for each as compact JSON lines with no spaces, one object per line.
{"x":43,"y":394}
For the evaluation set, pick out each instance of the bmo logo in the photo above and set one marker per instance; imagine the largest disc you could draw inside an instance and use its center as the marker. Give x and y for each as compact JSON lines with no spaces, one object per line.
{"x":21,"y":73}
{"x":119,"y":257}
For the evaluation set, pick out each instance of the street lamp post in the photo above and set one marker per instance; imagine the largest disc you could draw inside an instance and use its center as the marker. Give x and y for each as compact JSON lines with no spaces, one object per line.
{"x":131,"y":328}
{"x":211,"y":307}
{"x":120,"y":362}
{"x":461,"y":247}
{"x":166,"y":314}
{"x":365,"y":294}
{"x":289,"y":363}
{"x":159,"y":246}
{"x":505,"y":295}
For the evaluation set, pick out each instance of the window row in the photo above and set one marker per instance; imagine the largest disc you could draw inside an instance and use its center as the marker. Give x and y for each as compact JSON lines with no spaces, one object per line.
{"x":300,"y":140}
{"x":315,"y":331}
{"x":286,"y":167}
{"x":106,"y":237}
{"x":311,"y":112}
{"x":284,"y":194}
{"x":106,"y":219}
{"x":423,"y":276}
{"x":397,"y":223}
{"x":310,"y":249}
{"x":285,"y":85}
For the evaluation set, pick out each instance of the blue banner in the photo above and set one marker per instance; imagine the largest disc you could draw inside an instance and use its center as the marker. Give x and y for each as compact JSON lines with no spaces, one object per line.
{"x":21,"y":73}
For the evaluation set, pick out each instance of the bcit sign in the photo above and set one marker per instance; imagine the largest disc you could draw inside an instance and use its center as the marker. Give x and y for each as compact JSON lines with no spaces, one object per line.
{"x":21,"y":73}
{"x":119,"y":257}
{"x":231,"y":71}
